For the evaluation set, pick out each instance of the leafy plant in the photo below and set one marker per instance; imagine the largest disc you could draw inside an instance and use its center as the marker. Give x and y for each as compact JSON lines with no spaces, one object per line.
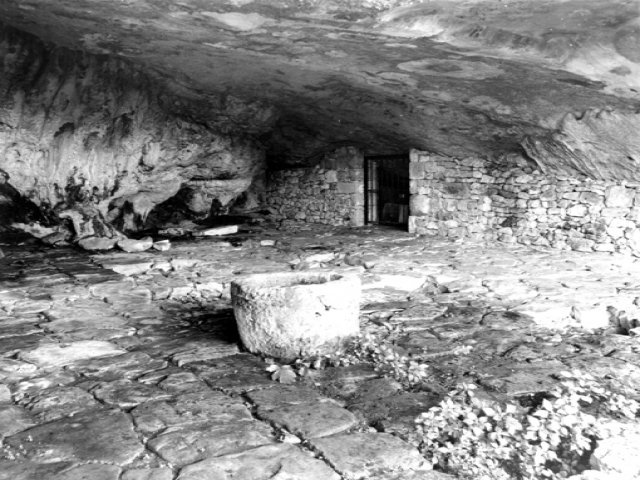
{"x":368,"y":348}
{"x":365,"y":348}
{"x":282,"y":373}
{"x":484,"y":440}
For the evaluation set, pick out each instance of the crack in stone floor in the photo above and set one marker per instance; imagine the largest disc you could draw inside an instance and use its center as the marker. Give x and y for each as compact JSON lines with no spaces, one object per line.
{"x":128,"y":366}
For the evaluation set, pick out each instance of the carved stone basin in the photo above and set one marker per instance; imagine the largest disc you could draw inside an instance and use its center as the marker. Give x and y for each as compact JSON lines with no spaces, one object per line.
{"x":295,"y":314}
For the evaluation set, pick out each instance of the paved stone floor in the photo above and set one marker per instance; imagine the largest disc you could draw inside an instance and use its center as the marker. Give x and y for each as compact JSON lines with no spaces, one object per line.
{"x":127,"y":366}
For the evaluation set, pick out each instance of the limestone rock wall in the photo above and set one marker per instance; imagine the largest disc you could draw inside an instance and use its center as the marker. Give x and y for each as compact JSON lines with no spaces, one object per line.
{"x":331,"y":193}
{"x":86,"y":136}
{"x":468,"y":197}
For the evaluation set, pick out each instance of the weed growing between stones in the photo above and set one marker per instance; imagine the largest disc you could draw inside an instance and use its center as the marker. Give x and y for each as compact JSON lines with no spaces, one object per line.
{"x":484,"y":440}
{"x":366,"y":348}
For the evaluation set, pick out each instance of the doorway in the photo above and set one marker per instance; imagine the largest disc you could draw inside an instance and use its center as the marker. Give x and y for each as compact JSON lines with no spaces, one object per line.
{"x":386,"y":200}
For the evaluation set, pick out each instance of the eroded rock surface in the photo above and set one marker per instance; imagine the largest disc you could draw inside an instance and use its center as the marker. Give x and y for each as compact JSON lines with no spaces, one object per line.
{"x":110,"y":145}
{"x":456,"y":77}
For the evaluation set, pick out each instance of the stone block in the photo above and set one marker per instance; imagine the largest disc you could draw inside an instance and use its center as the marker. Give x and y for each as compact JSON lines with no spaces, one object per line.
{"x":215,"y":231}
{"x":418,"y":156}
{"x":420,"y":205}
{"x":331,"y":176}
{"x":416,"y":171}
{"x":581,"y":244}
{"x":347,"y":187}
{"x":522,"y":179}
{"x":591,"y":198}
{"x":604,"y":247}
{"x":548,"y":194}
{"x":634,"y":240}
{"x":487,"y":179}
{"x":616,"y":227}
{"x":573,"y":196}
{"x":634,"y":215}
{"x":619,"y":196}
{"x":577,"y":211}
{"x":614,"y":212}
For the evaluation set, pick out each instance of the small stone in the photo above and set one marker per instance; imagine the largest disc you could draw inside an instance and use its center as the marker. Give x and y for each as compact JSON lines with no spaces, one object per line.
{"x":131,"y":245}
{"x":57,"y":238}
{"x":320,"y":257}
{"x":129,"y":267}
{"x":173,"y":231}
{"x":591,"y":198}
{"x":282,"y":461}
{"x":162,"y":245}
{"x":216,"y":231}
{"x":97,"y":243}
{"x":619,"y":196}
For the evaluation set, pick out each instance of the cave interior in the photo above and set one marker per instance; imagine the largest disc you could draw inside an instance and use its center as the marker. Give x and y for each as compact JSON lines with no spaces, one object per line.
{"x":474,"y":162}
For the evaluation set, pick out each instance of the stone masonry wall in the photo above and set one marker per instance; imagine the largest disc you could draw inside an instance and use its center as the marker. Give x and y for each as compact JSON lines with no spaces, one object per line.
{"x":470,"y":198}
{"x":331,"y":193}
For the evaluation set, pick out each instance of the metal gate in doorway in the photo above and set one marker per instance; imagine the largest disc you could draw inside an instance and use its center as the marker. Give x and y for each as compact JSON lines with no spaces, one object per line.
{"x":386,"y":198}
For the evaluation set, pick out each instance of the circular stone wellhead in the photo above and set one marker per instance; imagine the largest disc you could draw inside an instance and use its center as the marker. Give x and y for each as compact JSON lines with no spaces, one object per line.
{"x":295,"y":314}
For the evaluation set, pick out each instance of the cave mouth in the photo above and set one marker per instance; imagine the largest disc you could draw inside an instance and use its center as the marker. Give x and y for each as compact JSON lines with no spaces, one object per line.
{"x":386,"y":179}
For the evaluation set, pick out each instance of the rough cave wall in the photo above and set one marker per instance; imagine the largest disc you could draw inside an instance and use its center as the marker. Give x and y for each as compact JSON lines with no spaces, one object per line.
{"x":92,"y":139}
{"x":331,"y":192}
{"x":470,"y":198}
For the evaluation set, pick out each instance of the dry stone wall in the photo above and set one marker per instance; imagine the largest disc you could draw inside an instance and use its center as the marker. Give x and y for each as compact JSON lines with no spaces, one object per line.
{"x":470,"y":198}
{"x":332,"y":192}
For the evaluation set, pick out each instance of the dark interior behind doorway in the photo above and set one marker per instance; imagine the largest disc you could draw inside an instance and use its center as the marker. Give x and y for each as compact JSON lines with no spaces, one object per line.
{"x":387,"y":190}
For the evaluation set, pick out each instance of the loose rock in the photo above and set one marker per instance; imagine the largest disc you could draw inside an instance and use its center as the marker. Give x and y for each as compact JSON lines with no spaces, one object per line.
{"x":132,"y":245}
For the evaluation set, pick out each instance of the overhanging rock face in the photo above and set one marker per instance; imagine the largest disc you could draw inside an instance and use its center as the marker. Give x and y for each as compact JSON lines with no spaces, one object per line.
{"x":94,"y":140}
{"x":451,"y":76}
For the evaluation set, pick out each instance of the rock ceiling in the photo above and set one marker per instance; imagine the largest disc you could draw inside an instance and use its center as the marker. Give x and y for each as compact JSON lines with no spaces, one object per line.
{"x":560,"y":78}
